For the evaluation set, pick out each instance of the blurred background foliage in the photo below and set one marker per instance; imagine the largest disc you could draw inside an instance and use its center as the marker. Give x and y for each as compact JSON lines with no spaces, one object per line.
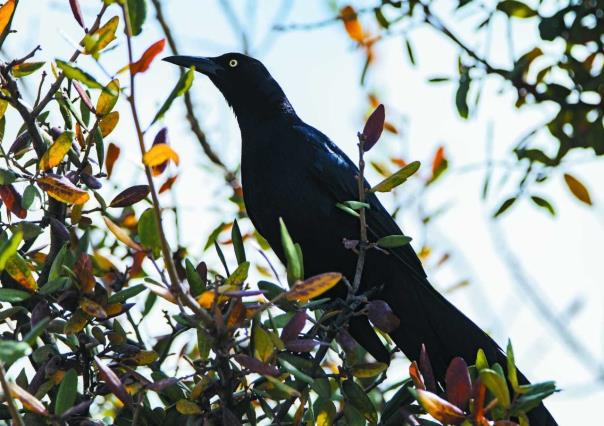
{"x":92,"y":263}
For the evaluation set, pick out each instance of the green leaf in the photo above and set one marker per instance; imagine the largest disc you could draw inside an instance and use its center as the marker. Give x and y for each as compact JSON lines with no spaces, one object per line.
{"x":356,"y":205}
{"x":516,"y":9}
{"x":26,"y":68}
{"x":57,"y":264}
{"x":29,"y":195}
{"x":294,"y":263}
{"x":496,"y":384}
{"x":295,"y":372}
{"x":410,"y":53}
{"x":7,"y":177}
{"x":36,"y":331}
{"x":543,"y":203}
{"x":504,"y":206}
{"x":11,"y":350}
{"x":511,"y":364}
{"x":55,"y":285}
{"x":393,"y":241}
{"x":137,"y":12}
{"x":148,"y":232}
{"x":9,"y":248}
{"x":125,"y":294}
{"x":239,"y":275}
{"x":397,"y":178}
{"x":263,"y":344}
{"x":11,"y":295}
{"x":283,"y":387}
{"x":72,"y":72}
{"x":238,"y":243}
{"x":214,"y":236}
{"x":197,"y":286}
{"x":204,"y":343}
{"x":532,"y":396}
{"x":68,"y":390}
{"x":481,"y":360}
{"x":347,"y":209}
{"x":461,"y":96}
{"x":358,"y":398}
{"x":182,"y":86}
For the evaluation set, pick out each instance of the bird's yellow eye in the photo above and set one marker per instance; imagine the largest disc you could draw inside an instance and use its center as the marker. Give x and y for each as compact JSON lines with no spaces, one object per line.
{"x":233,"y":63}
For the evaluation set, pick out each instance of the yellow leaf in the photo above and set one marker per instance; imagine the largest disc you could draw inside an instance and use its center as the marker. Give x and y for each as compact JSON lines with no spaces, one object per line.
{"x":578,"y":189}
{"x":187,"y":408}
{"x":160,"y":153}
{"x":263,"y":344}
{"x":62,"y":190}
{"x":6,"y":13}
{"x":93,"y":309}
{"x":121,"y":235}
{"x":368,"y":370}
{"x":144,"y":357}
{"x":97,"y":41}
{"x":108,"y":123}
{"x":76,"y":323}
{"x":108,"y":98}
{"x":18,"y":269}
{"x":303,"y":291}
{"x":57,"y":151}
{"x":352,"y":24}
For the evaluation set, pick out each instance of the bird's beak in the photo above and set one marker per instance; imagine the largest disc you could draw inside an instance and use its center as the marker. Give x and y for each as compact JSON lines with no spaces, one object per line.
{"x":205,"y":66}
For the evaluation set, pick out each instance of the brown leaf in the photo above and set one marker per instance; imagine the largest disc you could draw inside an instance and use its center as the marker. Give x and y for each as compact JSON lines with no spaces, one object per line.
{"x":440,"y":409}
{"x":113,"y":152}
{"x":83,"y":270}
{"x":458,"y":383}
{"x":303,"y":291}
{"x":130,"y":196}
{"x":145,"y":61}
{"x":167,"y":184}
{"x":12,"y":199}
{"x":437,"y":161}
{"x":61,"y":189}
{"x":578,"y":189}
{"x":352,"y":24}
{"x":373,"y":127}
{"x":113,"y":382}
{"x":380,"y":314}
{"x":77,"y":12}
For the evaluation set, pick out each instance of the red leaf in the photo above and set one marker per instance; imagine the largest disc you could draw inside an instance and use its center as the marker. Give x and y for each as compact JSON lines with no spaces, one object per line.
{"x":381,"y":315}
{"x":294,"y":326}
{"x":113,"y":152}
{"x":130,"y":196}
{"x":416,"y":376}
{"x":426,"y":368}
{"x":301,"y":345}
{"x":113,"y":382}
{"x":77,"y":12}
{"x":12,"y":199}
{"x":84,"y":96}
{"x":459,"y":385}
{"x":256,"y":366}
{"x":374,"y":127}
{"x":145,"y":61}
{"x":167,"y":184}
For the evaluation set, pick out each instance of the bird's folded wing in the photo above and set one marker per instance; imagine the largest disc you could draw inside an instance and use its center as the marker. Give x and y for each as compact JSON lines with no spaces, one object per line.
{"x":337,"y":175}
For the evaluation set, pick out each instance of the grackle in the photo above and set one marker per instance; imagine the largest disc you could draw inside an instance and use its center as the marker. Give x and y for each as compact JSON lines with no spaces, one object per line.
{"x":291,"y":170}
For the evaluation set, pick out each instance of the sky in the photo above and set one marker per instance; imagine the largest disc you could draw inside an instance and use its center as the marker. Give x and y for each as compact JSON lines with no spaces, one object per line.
{"x":319,"y":71}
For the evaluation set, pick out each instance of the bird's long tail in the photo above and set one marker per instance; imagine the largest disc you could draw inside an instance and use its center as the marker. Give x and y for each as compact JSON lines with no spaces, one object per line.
{"x":428,"y":318}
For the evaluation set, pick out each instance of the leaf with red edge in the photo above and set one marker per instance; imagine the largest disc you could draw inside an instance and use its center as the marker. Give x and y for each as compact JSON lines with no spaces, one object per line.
{"x":84,"y":96}
{"x":113,"y":152}
{"x":458,"y":383}
{"x":130,"y":196}
{"x":77,"y":12}
{"x":167,"y":184}
{"x":19,"y":271}
{"x":380,"y":314}
{"x":256,"y":366}
{"x":145,"y":60}
{"x":12,"y":199}
{"x":113,"y":382}
{"x":438,"y":408}
{"x":294,"y":326}
{"x":416,"y":376}
{"x":426,"y":368}
{"x":61,"y":189}
{"x":373,"y":127}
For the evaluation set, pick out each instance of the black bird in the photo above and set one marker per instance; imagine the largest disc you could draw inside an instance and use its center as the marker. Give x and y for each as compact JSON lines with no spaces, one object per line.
{"x":291,"y":170}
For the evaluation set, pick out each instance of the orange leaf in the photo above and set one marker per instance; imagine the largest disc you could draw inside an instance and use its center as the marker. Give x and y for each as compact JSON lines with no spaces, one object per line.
{"x":93,"y":309}
{"x":416,"y":376}
{"x":145,"y":61}
{"x":313,"y":286}
{"x":159,"y":154}
{"x":108,"y":122}
{"x":12,"y":199}
{"x":6,"y":13}
{"x":352,"y":24}
{"x":61,"y":189}
{"x":206,"y":299}
{"x":113,"y":152}
{"x":18,"y":269}
{"x":121,"y":235}
{"x":438,"y":159}
{"x":57,"y":151}
{"x":578,"y":189}
{"x":167,"y":184}
{"x":440,"y":409}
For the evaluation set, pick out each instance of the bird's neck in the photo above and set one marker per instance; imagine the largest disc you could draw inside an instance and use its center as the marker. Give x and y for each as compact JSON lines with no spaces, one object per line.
{"x":275,"y":108}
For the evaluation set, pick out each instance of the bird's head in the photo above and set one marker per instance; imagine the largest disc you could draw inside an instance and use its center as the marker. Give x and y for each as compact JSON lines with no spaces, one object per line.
{"x":245,"y":83}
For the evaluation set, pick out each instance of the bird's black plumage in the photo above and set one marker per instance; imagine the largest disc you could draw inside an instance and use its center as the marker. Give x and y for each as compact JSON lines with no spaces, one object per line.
{"x":291,"y":170}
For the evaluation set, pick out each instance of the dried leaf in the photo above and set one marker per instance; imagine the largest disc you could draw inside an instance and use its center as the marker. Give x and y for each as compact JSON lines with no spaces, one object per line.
{"x":145,"y":61}
{"x":578,"y":189}
{"x":57,"y":151}
{"x":19,"y":270}
{"x":303,"y":291}
{"x":61,"y":189}
{"x":352,"y":24}
{"x":130,"y":196}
